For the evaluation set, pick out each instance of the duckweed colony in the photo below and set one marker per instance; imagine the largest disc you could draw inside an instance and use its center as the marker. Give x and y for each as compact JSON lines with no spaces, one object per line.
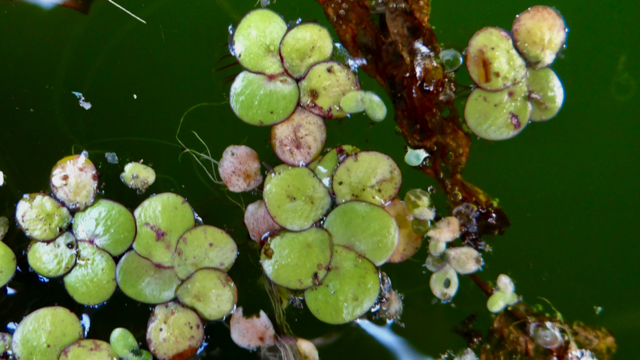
{"x":326,"y":223}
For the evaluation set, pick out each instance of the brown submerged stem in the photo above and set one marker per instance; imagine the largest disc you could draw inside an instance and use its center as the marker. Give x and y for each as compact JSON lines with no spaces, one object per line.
{"x":401,"y":54}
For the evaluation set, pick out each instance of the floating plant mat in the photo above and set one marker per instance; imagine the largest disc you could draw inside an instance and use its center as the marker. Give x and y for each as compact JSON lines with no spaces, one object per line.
{"x":210,"y":292}
{"x":54,"y":258}
{"x":326,"y":166}
{"x":160,"y":221}
{"x":297,"y":260}
{"x":143,"y":281}
{"x":295,"y":197}
{"x":108,"y":224}
{"x":204,"y":246}
{"x":348,"y":291}
{"x":54,"y":326}
{"x":93,"y":279}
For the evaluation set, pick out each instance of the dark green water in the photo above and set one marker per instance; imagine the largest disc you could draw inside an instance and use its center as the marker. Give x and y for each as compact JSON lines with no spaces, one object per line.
{"x":569,"y":186}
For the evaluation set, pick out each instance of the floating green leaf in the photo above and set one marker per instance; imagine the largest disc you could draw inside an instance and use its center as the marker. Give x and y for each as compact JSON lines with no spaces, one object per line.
{"x":240,"y":168}
{"x":138,"y":176}
{"x":54,"y":258}
{"x":204,"y":246}
{"x":5,"y":343}
{"x":74,"y":180}
{"x":210,"y":292}
{"x":256,"y":41}
{"x":347,"y":292}
{"x":263,"y":100}
{"x":365,"y":228}
{"x":367,"y":176}
{"x":374,"y":107}
{"x":299,"y":139}
{"x":4,"y":227}
{"x":493,"y":62}
{"x":174,"y":329}
{"x":498,"y":115}
{"x":329,"y":162}
{"x":41,"y":217}
{"x":539,"y":34}
{"x":353,"y":102}
{"x":108,"y":224}
{"x":93,"y":280}
{"x":546,"y":93}
{"x":44,"y":333}
{"x":143,"y":281}
{"x":7,"y":264}
{"x":160,"y":221}
{"x":297,"y":260}
{"x":88,"y":349}
{"x":295,"y":197}
{"x":124,"y":343}
{"x":324,"y":86}
{"x":304,"y":46}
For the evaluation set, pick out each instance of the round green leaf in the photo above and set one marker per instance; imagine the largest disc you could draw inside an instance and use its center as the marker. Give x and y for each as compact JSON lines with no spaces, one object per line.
{"x":256,"y":41}
{"x":7,"y":264}
{"x":124,"y":343}
{"x":347,"y":292}
{"x":5,"y":342}
{"x":54,"y":258}
{"x":138,"y":176}
{"x":374,"y":107}
{"x":324,"y":86}
{"x":93,"y":280}
{"x":108,"y":224}
{"x":4,"y":227}
{"x":174,"y":329}
{"x":546,"y":93}
{"x":74,"y":180}
{"x":88,"y":349}
{"x":210,"y":292}
{"x":365,"y":228}
{"x":295,"y":197}
{"x":539,"y":34}
{"x":303,"y":46}
{"x":263,"y":100}
{"x":498,"y":115}
{"x":44,"y":333}
{"x":299,"y":139}
{"x":143,"y":281}
{"x":367,"y":176}
{"x":353,"y":102}
{"x":160,"y":221}
{"x":493,"y":62}
{"x":297,"y":260}
{"x":325,"y":168}
{"x":41,"y":217}
{"x":204,"y":246}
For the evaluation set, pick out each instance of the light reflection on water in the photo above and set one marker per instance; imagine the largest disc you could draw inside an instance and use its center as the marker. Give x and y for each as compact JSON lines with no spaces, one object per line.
{"x":397,"y":345}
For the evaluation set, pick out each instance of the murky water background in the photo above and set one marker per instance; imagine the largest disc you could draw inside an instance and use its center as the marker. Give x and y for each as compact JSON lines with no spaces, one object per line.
{"x":569,"y":186}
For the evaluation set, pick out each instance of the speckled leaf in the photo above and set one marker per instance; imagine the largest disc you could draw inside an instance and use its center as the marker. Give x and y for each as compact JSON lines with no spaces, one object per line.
{"x":367,"y":176}
{"x":44,"y":333}
{"x":256,"y":41}
{"x":93,"y":280}
{"x":174,"y":331}
{"x":204,"y":246}
{"x":210,"y":292}
{"x":41,"y":217}
{"x":348,"y":291}
{"x":108,"y":224}
{"x":324,"y":86}
{"x":74,"y":180}
{"x":143,"y":281}
{"x":304,"y":46}
{"x":297,"y":260}
{"x":160,"y":221}
{"x":88,"y":349}
{"x":299,"y":139}
{"x":365,"y":228}
{"x":7,"y":264}
{"x":54,"y":258}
